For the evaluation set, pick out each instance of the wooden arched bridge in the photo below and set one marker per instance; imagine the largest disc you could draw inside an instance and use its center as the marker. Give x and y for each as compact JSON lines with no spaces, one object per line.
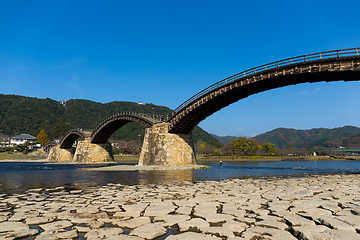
{"x":327,"y":66}
{"x":106,"y":128}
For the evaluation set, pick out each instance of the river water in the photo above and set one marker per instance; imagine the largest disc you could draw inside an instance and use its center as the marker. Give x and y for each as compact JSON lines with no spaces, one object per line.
{"x":16,"y":177}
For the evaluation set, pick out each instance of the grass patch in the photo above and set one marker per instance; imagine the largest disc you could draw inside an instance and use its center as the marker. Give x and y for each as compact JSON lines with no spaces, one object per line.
{"x":18,"y":156}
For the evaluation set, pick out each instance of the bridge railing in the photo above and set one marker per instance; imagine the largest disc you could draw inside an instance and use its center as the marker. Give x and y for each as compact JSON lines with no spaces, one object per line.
{"x":152,"y":117}
{"x":273,"y":65}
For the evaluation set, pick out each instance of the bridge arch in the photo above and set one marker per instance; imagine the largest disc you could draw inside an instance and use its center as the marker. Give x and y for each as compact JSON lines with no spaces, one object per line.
{"x":47,"y":147}
{"x":327,"y":66}
{"x":104,"y":130}
{"x":71,"y":136}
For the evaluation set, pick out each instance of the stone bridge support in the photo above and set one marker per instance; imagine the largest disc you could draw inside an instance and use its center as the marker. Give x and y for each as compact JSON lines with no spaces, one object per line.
{"x":163,"y":148}
{"x":90,"y":152}
{"x":58,"y":154}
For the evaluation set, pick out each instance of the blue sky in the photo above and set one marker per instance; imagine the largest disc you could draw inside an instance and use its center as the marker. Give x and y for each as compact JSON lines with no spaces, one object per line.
{"x":163,"y":52}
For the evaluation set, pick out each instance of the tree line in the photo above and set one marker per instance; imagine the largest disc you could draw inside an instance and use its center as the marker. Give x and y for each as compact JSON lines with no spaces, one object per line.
{"x":240,"y":145}
{"x":19,"y":114}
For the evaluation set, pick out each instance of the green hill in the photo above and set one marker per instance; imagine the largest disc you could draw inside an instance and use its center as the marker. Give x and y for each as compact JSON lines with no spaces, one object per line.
{"x":19,"y":114}
{"x":223,"y":140}
{"x":347,"y":136}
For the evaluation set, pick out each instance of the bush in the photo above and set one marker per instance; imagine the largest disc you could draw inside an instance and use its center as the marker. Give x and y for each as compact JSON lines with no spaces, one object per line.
{"x":8,"y":149}
{"x":24,"y":152}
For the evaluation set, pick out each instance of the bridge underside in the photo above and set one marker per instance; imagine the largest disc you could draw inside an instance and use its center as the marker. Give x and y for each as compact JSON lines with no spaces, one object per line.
{"x":322,"y":71}
{"x":69,"y":140}
{"x":103,"y":133}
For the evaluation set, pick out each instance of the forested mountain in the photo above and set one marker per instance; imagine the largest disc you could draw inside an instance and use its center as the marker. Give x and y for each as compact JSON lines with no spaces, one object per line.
{"x":19,"y":114}
{"x":347,"y":136}
{"x":223,"y":140}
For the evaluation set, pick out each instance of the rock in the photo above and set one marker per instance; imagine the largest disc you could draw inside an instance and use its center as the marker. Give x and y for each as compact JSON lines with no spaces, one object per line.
{"x":12,"y":230}
{"x":305,"y":232}
{"x":3,"y":218}
{"x":82,"y":229}
{"x":12,"y":226}
{"x":194,"y":225}
{"x":159,"y":210}
{"x":335,"y":223}
{"x":122,"y":237}
{"x":235,"y":227}
{"x":186,"y":210}
{"x":218,"y":231}
{"x":38,"y":220}
{"x":331,"y":206}
{"x":266,"y":233}
{"x":332,"y":234}
{"x":132,"y":210}
{"x":103,"y":233}
{"x":76,"y":191}
{"x":20,"y":233}
{"x":272,"y":224}
{"x":149,"y":231}
{"x":170,"y":220}
{"x":56,"y":225}
{"x":268,"y":218}
{"x":90,"y":210}
{"x":192,"y":236}
{"x":296,"y":220}
{"x":18,"y":217}
{"x":133,"y":223}
{"x":214,"y":218}
{"x":57,"y":234}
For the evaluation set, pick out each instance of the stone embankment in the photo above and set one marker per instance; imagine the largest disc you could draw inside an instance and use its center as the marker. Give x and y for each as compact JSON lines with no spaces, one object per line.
{"x":314,"y":207}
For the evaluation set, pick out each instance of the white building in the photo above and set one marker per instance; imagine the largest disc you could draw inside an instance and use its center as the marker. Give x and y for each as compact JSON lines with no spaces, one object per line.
{"x":4,"y":140}
{"x":21,"y":139}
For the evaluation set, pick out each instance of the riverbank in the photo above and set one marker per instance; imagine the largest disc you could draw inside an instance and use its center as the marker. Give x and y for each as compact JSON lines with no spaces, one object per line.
{"x":148,"y":168}
{"x":274,"y":158}
{"x":310,"y":207}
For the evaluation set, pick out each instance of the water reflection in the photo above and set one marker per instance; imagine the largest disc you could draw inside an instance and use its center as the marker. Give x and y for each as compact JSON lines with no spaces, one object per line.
{"x":147,"y":177}
{"x":17,"y":177}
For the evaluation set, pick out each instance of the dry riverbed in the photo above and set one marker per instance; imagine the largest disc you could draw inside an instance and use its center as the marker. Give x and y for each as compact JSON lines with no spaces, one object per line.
{"x":312,"y":207}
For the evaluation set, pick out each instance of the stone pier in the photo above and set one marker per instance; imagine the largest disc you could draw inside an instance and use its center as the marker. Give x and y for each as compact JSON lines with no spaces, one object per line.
{"x":163,"y":148}
{"x":90,"y":152}
{"x":58,"y":154}
{"x":86,"y":152}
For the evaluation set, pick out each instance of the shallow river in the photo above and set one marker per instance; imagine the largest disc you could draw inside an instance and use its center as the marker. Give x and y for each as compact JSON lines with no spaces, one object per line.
{"x":20,"y":176}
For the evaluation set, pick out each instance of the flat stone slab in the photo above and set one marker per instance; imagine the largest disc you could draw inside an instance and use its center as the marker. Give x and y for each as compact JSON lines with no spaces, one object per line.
{"x":272,"y":224}
{"x":214,"y":218}
{"x":16,"y":234}
{"x":103,"y":233}
{"x":149,"y":231}
{"x":195,"y":223}
{"x":133,"y":223}
{"x":235,"y":226}
{"x":228,"y":209}
{"x":296,"y":220}
{"x":56,"y":225}
{"x":218,"y":231}
{"x":38,"y":220}
{"x":192,"y":236}
{"x":266,"y":233}
{"x":58,"y":234}
{"x":170,"y":220}
{"x":159,"y":210}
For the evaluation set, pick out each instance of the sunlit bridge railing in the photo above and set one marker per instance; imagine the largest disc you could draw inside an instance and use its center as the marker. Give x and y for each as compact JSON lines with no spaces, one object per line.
{"x":341,"y":53}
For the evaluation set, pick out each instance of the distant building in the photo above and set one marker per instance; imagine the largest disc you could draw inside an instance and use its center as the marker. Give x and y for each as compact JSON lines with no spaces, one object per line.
{"x":63,"y":103}
{"x":140,"y":103}
{"x":4,"y":139}
{"x":58,"y":140}
{"x":21,"y":139}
